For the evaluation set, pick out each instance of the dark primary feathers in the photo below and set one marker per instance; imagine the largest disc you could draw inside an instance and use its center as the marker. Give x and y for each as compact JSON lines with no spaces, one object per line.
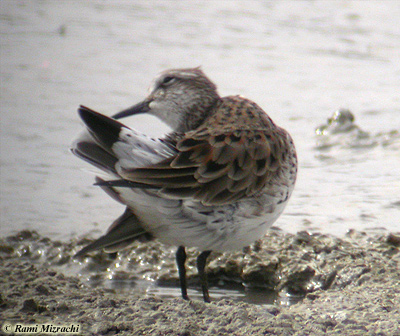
{"x":124,"y":230}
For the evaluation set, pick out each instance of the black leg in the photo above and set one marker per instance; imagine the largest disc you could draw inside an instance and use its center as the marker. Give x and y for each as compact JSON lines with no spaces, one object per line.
{"x":180,"y":261}
{"x":201,"y":265}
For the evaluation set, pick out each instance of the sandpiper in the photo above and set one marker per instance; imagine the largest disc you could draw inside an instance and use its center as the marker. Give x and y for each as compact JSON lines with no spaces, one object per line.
{"x":217,"y":182}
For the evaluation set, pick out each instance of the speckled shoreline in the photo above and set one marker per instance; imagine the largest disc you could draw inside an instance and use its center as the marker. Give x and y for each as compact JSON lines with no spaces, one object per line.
{"x":351,"y":287}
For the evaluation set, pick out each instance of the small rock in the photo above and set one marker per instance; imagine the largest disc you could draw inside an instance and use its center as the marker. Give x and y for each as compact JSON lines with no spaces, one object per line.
{"x":41,"y":289}
{"x":63,"y":308}
{"x":393,"y":239}
{"x":30,"y":305}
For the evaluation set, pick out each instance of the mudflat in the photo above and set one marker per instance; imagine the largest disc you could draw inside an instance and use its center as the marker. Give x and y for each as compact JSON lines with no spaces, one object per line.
{"x":351,"y":286}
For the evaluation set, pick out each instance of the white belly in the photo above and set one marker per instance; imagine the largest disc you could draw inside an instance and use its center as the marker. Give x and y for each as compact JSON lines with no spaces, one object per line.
{"x":190,"y":224}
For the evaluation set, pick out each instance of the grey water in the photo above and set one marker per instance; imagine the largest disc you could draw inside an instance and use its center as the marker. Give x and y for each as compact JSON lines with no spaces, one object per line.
{"x":299,"y":60}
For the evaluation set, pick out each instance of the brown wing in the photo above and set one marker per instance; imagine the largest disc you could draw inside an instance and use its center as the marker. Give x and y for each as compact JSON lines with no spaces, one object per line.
{"x":216,"y":169}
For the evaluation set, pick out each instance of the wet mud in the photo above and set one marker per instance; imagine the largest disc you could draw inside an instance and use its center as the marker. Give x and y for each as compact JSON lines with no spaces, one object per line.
{"x":348,"y":285}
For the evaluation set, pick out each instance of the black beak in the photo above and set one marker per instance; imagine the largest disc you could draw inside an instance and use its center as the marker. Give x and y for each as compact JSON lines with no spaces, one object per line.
{"x":142,"y":107}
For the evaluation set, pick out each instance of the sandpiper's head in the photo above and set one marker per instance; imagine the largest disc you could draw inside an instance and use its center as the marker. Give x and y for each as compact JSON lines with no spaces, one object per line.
{"x":182,"y":98}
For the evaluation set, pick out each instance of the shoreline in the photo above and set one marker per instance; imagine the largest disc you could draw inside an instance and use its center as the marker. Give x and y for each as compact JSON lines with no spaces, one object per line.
{"x":356,"y":289}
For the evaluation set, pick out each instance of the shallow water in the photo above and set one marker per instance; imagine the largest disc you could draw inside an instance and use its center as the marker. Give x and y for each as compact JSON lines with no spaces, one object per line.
{"x":299,"y":60}
{"x":229,"y":292}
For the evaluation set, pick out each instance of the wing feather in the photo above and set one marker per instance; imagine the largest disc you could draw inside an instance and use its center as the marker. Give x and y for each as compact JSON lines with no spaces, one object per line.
{"x":216,"y":169}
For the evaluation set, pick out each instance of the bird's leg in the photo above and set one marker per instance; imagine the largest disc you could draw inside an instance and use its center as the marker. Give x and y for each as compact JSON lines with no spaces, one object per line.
{"x":201,"y":264}
{"x":180,"y":261}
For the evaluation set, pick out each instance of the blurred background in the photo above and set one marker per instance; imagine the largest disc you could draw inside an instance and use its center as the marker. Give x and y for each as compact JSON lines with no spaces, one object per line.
{"x":299,"y":60}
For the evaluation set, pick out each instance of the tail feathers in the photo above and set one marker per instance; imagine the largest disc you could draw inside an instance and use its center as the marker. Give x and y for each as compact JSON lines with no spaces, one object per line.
{"x":121,"y":233}
{"x":107,"y":143}
{"x":95,"y":155}
{"x":105,"y":130}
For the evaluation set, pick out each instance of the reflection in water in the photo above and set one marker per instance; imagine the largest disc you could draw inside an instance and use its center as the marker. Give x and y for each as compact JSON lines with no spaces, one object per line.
{"x":234,"y":292}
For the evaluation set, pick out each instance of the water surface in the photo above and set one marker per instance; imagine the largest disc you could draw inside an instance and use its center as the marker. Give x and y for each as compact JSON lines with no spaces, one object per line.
{"x":299,"y":60}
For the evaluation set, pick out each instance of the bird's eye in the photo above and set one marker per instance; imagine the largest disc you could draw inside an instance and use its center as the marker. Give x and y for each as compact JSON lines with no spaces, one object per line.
{"x":168,"y":80}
